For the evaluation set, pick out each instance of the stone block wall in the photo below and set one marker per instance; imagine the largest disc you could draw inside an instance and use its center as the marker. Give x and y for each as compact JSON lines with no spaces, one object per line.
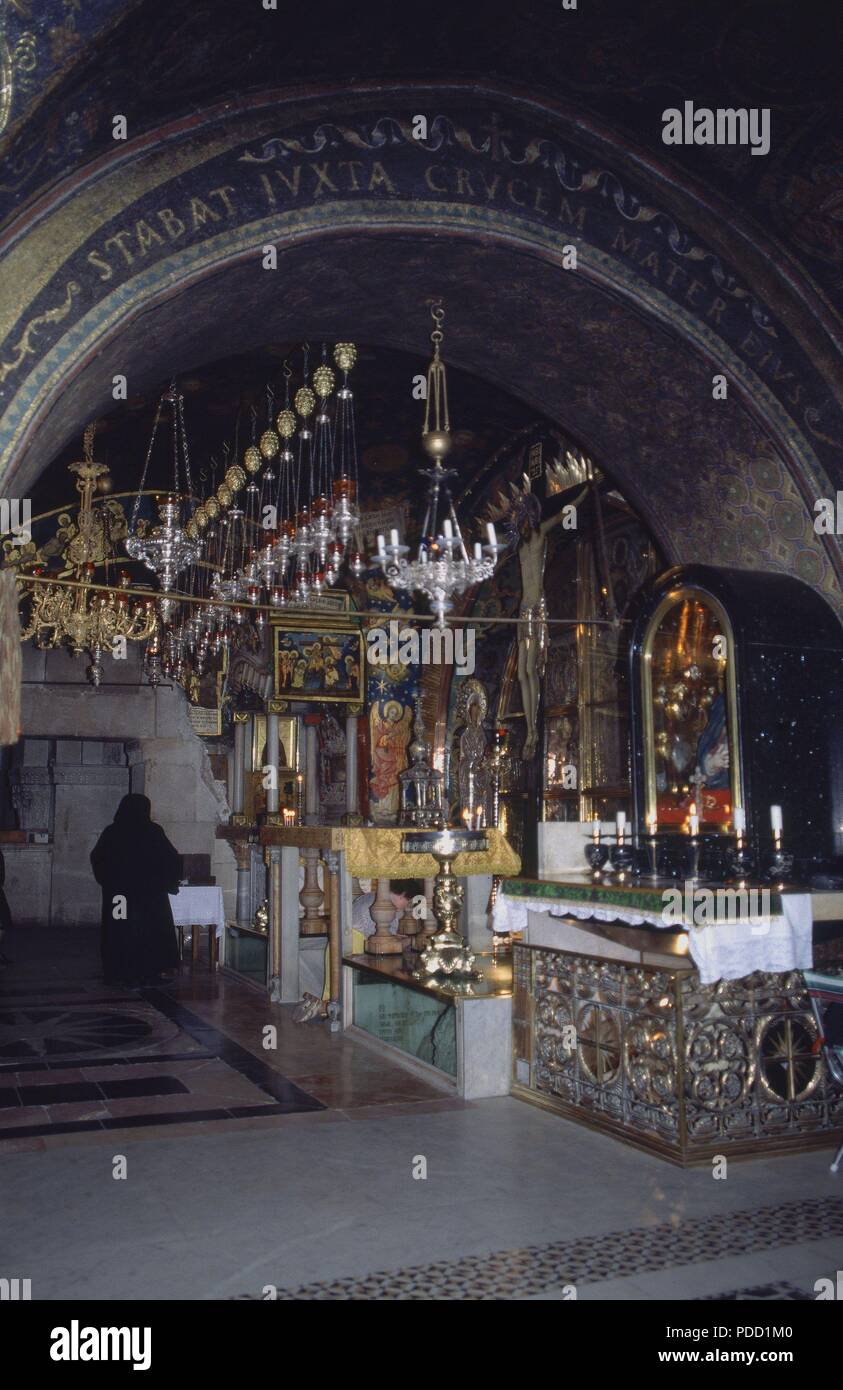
{"x":82,"y":749}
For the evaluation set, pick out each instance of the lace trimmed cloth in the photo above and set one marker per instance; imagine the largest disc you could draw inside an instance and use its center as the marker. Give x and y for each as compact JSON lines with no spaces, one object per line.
{"x":720,"y":951}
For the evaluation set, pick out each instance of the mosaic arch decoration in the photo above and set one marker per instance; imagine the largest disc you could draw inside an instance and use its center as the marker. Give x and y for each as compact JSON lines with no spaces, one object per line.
{"x":735,"y":480}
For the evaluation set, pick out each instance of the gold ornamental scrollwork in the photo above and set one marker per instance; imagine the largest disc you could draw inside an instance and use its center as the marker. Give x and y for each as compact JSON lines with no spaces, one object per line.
{"x":788,"y":1067}
{"x":720,"y":1067}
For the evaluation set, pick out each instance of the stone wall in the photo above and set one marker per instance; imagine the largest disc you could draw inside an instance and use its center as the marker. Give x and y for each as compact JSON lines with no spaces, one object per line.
{"x":81,"y":750}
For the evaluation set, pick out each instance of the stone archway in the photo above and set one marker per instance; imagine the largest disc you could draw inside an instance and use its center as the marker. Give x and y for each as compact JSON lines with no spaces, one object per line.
{"x":151,"y":259}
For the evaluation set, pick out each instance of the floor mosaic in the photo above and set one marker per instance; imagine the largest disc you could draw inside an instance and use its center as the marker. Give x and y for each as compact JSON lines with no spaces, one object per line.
{"x":523,"y":1273}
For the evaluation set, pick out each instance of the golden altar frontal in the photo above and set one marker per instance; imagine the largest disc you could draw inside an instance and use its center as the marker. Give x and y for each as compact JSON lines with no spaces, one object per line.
{"x":369,"y":852}
{"x":375,"y":852}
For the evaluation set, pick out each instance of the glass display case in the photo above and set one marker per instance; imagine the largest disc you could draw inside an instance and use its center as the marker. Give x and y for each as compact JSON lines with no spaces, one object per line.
{"x":692,"y":765}
{"x":736,"y":682}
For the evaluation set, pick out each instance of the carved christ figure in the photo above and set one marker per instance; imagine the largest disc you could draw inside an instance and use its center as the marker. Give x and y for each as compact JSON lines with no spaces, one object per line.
{"x":527,"y":533}
{"x":532,"y":630}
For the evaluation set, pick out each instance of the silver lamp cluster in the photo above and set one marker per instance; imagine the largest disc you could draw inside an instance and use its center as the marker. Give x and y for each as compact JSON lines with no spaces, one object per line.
{"x":168,"y":548}
{"x":314,"y":508}
{"x":443,"y":567}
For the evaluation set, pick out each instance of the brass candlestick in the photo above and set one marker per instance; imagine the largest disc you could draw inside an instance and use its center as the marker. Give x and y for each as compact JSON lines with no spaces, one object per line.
{"x":447,"y":953}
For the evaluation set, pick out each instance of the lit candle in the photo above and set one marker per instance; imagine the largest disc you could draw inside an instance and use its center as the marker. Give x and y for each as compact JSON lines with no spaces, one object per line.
{"x":739,"y":820}
{"x":652,"y":823}
{"x":776,"y":825}
{"x":620,"y":824}
{"x":595,"y":830}
{"x":478,"y":818}
{"x":693,"y":820}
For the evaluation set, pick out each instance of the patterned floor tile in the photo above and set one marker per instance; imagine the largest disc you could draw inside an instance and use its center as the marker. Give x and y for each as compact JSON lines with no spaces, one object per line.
{"x":514,"y":1274}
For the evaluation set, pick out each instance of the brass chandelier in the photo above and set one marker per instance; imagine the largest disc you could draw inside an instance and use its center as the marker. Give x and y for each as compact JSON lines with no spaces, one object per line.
{"x":73,"y":611}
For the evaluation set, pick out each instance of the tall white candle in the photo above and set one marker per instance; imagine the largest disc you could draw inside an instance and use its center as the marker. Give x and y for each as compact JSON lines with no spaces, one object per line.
{"x":381,"y":545}
{"x":595,"y":830}
{"x":739,"y":820}
{"x":490,"y":532}
{"x":776,"y":820}
{"x":393,"y":537}
{"x":447,"y":528}
{"x":620,"y":824}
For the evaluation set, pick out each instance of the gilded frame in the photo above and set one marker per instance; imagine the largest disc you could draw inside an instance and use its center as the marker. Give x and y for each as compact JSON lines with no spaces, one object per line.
{"x":670,"y":600}
{"x":349,"y":635}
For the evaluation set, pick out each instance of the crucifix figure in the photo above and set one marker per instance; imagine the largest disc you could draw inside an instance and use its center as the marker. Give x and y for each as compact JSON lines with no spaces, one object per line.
{"x":532,"y":629}
{"x":528,"y":533}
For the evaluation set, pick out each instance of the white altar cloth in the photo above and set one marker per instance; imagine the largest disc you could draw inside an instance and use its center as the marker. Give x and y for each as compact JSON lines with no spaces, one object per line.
{"x":199,"y":907}
{"x":720,"y":951}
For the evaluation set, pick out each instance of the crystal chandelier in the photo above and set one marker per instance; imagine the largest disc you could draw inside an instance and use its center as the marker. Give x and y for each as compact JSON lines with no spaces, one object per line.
{"x":77,"y":614}
{"x":443,"y":567}
{"x":168,"y":547}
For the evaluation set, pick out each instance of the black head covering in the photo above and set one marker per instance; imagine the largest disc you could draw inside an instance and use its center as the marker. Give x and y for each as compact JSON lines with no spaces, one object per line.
{"x":134,"y":810}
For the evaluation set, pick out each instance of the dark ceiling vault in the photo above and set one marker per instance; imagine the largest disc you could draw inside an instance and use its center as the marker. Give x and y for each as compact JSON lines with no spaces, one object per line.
{"x":618,"y":65}
{"x":222,"y":396}
{"x":694,"y":261}
{"x":701,"y":472}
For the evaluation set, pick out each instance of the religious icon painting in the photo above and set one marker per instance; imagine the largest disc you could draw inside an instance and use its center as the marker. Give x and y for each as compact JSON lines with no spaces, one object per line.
{"x":319,"y":664}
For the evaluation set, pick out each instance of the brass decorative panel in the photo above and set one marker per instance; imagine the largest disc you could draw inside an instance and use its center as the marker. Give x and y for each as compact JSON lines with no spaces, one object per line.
{"x":684,"y":1069}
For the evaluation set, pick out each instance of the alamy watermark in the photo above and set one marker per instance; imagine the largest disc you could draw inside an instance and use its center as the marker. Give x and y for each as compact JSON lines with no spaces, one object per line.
{"x":16,"y":519}
{"x":828,"y":518}
{"x":395,"y":645}
{"x":701,"y":907}
{"x":699,"y":125}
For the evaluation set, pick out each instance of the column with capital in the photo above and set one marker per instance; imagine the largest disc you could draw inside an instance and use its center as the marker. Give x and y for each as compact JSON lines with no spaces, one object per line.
{"x":273,"y":753}
{"x":238,"y":781}
{"x":311,"y":768}
{"x":352,"y":808}
{"x":334,"y":970}
{"x":272,"y":859}
{"x":284,"y":981}
{"x":243,"y":856}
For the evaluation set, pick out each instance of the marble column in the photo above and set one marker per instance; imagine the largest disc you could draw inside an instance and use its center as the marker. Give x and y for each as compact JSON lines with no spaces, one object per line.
{"x":239,"y":779}
{"x":272,"y":858}
{"x":334,"y":942}
{"x":243,"y":856}
{"x":351,"y":789}
{"x":382,"y":942}
{"x":272,"y":756}
{"x":311,"y":769}
{"x":284,"y":916}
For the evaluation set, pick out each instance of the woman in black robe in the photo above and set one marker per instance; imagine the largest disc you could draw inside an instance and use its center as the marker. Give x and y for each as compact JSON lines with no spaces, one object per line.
{"x":134,"y":861}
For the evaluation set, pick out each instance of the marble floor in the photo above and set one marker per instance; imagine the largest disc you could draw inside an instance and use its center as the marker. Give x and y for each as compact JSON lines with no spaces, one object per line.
{"x":295,"y":1171}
